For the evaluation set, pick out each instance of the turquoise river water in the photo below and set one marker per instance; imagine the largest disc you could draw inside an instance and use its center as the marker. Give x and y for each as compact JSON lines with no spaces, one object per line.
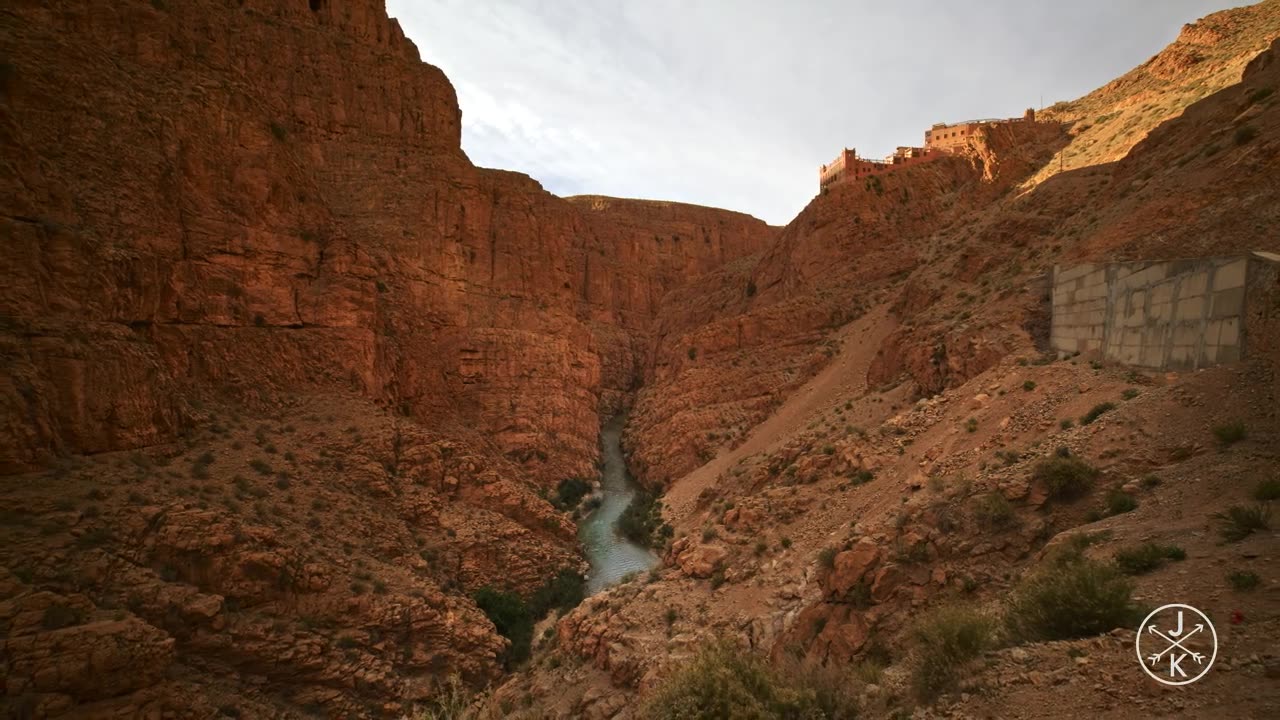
{"x":612,"y":556}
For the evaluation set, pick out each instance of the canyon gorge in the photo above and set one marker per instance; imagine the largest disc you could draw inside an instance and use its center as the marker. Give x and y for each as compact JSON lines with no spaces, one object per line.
{"x":299,"y":403}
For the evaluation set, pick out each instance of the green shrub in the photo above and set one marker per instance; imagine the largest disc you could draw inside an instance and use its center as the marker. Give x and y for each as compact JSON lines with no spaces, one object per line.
{"x":1267,"y":490}
{"x":1096,"y":412}
{"x":1130,"y":393}
{"x":1244,"y":134}
{"x":1008,"y":457}
{"x":1072,"y":548}
{"x":723,"y":681}
{"x":859,"y":595}
{"x":94,"y":537}
{"x":827,"y":557}
{"x":693,"y":353}
{"x":563,"y":592}
{"x":570,"y":492}
{"x":1243,"y":580}
{"x":718,"y":577}
{"x":514,"y":618}
{"x":57,"y":617}
{"x":1144,"y":558}
{"x":943,"y":643}
{"x":992,"y":511}
{"x":1066,"y":423}
{"x":1230,"y":433}
{"x":1064,"y":478}
{"x":1120,"y":502}
{"x":641,"y":521}
{"x":1239,"y":522}
{"x":911,"y":554}
{"x":260,"y":466}
{"x":1029,"y":385}
{"x":971,"y":425}
{"x":452,"y":701}
{"x":1260,"y":94}
{"x":869,"y":671}
{"x":1075,"y":599}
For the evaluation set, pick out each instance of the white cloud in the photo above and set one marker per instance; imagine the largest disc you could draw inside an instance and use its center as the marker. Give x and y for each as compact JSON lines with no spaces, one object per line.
{"x":735,"y":103}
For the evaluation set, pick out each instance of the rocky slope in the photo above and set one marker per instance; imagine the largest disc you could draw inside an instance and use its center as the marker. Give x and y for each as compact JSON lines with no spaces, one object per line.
{"x":286,"y":377}
{"x":864,"y":500}
{"x":268,"y":220}
{"x":987,"y":225}
{"x":1207,"y":56}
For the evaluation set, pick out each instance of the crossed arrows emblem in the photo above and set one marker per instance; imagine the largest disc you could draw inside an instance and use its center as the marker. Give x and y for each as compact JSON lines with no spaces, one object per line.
{"x":1175,"y":643}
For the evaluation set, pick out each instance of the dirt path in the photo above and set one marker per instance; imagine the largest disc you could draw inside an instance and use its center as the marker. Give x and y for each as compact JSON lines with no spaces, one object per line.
{"x":846,"y":374}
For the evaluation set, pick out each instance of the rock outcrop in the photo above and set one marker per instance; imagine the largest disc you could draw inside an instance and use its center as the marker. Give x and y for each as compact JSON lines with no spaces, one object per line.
{"x":221,"y":215}
{"x":240,"y":209}
{"x":288,"y":379}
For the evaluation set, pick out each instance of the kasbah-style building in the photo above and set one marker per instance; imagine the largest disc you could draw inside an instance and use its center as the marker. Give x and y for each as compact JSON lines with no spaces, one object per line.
{"x":941,"y":138}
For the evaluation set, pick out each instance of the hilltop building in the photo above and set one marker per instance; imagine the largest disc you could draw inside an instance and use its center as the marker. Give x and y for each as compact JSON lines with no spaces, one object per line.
{"x":849,"y":166}
{"x":941,"y":138}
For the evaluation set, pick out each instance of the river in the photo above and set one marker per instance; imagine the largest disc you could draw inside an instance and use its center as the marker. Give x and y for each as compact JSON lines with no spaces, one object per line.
{"x":612,"y":556}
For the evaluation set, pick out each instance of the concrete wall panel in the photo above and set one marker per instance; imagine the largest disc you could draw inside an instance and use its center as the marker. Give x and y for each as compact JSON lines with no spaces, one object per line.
{"x":1179,"y":314}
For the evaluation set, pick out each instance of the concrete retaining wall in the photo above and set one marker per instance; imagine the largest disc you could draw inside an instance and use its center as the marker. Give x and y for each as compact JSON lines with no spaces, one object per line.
{"x":1176,"y":314}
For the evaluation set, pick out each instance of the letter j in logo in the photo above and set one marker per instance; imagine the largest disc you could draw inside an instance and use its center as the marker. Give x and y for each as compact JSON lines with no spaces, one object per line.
{"x":1176,"y":644}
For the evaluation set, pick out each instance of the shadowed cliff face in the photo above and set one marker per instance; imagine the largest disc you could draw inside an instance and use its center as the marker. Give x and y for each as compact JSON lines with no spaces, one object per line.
{"x":222,"y":216}
{"x":264,"y":197}
{"x":736,"y":344}
{"x":994,"y":218}
{"x":910,"y":473}
{"x":242,"y":238}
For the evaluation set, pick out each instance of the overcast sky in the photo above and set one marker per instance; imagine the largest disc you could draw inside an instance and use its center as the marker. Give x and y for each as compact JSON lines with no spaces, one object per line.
{"x":735,"y":103}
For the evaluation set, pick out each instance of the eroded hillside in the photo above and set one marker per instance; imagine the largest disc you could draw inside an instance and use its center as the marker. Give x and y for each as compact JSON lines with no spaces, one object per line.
{"x":895,"y":338}
{"x":288,"y":380}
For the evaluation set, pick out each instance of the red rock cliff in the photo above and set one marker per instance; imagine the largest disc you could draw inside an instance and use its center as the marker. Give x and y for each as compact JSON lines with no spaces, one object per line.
{"x":224,"y":214}
{"x":269,"y":195}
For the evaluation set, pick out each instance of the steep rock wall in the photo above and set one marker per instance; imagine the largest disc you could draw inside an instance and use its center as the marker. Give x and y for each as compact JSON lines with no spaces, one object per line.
{"x":242,"y":208}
